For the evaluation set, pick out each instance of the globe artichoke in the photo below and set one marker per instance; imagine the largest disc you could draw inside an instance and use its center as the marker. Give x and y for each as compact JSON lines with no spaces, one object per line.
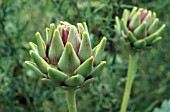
{"x":139,"y":27}
{"x":66,"y":58}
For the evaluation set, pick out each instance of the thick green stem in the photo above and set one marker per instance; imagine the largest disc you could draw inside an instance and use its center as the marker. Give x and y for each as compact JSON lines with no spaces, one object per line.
{"x":71,"y":100}
{"x":132,"y":67}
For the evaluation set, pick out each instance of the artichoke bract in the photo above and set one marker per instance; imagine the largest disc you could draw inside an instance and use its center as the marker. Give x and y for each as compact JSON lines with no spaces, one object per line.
{"x":66,"y":57}
{"x":140,"y":27}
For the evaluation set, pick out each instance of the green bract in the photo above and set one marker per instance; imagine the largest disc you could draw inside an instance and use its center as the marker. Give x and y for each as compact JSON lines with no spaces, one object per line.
{"x":66,"y":58}
{"x":140,"y":27}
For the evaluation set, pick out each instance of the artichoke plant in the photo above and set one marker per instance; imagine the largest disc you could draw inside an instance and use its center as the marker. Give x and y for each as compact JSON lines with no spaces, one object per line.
{"x":66,"y":58}
{"x":139,"y":27}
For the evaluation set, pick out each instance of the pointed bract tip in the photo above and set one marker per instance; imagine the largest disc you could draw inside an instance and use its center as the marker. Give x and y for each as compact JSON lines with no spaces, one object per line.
{"x":160,"y":38}
{"x":138,"y":14}
{"x":64,"y":23}
{"x":79,"y":24}
{"x":134,"y":7}
{"x":84,"y":23}
{"x":26,"y":62}
{"x":37,"y":33}
{"x":29,"y":63}
{"x":31,"y":43}
{"x":61,"y":22}
{"x":157,"y":19}
{"x":156,"y":40}
{"x":139,"y":9}
{"x":31,"y":51}
{"x":47,"y":29}
{"x":144,"y":22}
{"x":68,"y":44}
{"x":161,"y":29}
{"x":91,"y":57}
{"x":56,"y":30}
{"x":85,"y":33}
{"x":116,"y":17}
{"x":52,"y":24}
{"x":164,"y":25}
{"x":73,"y":28}
{"x":125,"y":11}
{"x":104,"y":39}
{"x":43,"y":79}
{"x":154,"y":14}
{"x":103,"y":62}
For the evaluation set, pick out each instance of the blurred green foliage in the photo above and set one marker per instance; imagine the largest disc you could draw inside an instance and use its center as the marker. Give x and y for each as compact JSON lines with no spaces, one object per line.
{"x":165,"y":107}
{"x":22,"y":91}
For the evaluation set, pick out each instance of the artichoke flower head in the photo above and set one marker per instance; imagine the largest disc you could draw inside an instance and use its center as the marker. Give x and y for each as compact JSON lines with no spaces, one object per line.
{"x":139,"y":27}
{"x":66,"y":57}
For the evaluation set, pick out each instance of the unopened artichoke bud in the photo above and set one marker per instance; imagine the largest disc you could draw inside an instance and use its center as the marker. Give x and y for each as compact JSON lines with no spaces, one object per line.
{"x":139,"y":27}
{"x":65,"y":58}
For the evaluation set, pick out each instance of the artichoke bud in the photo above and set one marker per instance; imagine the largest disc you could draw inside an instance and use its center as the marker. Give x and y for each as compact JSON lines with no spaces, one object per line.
{"x":66,"y":59}
{"x":52,"y":28}
{"x":141,"y":28}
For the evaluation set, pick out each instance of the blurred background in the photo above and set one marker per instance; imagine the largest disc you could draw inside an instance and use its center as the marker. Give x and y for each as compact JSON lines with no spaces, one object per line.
{"x":22,"y":91}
